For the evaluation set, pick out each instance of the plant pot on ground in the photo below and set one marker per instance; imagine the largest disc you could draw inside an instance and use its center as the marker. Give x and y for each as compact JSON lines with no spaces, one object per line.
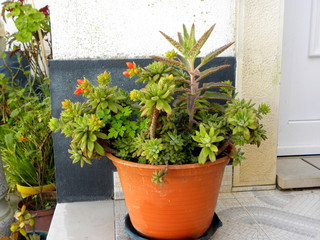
{"x":26,"y":141}
{"x":42,"y":207}
{"x":19,"y":230}
{"x":176,"y":121}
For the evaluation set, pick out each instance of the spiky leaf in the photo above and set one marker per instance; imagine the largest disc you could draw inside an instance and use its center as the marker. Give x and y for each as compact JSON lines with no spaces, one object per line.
{"x":216,"y":85}
{"x":194,"y":51}
{"x":168,"y":61}
{"x":212,"y":70}
{"x":216,"y":95}
{"x":174,"y":43}
{"x":216,"y":107}
{"x":213,"y":54}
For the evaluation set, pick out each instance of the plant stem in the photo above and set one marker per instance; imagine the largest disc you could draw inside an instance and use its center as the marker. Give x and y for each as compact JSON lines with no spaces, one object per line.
{"x":194,"y":86}
{"x":154,"y":121}
{"x":224,"y":146}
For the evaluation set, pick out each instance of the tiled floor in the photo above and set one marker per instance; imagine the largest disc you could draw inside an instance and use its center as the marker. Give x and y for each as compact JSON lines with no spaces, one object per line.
{"x":270,"y":215}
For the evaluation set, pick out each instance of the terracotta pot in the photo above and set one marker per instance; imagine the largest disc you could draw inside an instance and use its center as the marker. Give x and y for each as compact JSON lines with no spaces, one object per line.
{"x":43,"y":217}
{"x":26,"y":191}
{"x":183,"y":208}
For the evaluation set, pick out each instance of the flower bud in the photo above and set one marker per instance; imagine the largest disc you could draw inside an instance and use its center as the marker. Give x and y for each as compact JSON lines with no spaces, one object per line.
{"x":130,"y":65}
{"x":126,"y":73}
{"x":80,"y":81}
{"x":78,"y":91}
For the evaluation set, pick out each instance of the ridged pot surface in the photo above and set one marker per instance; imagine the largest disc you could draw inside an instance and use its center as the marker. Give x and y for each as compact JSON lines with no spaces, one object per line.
{"x":182,"y":208}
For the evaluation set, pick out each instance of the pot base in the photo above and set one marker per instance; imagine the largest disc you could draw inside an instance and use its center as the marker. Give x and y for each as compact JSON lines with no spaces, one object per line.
{"x":132,"y":232}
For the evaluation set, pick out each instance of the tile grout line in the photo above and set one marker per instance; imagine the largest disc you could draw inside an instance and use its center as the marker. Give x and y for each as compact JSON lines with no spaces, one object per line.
{"x":253,"y":218}
{"x":114,"y":221}
{"x":310,"y":163}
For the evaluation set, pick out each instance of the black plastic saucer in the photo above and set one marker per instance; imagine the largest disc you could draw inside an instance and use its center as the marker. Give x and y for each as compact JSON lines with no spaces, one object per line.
{"x":132,"y":232}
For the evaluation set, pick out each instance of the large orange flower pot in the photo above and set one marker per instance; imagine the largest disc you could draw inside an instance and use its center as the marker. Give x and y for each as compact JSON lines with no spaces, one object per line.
{"x":182,"y":208}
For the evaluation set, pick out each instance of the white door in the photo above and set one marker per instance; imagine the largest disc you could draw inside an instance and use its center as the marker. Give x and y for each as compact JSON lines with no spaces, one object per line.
{"x":299,"y":124}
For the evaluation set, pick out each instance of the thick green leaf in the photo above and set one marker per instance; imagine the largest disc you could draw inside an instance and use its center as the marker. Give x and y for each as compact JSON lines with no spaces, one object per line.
{"x":212,"y":157}
{"x":213,"y":148}
{"x":92,"y":137}
{"x":202,"y":157}
{"x":75,"y":160}
{"x":84,"y":138}
{"x":159,"y":105}
{"x":101,"y":135}
{"x":87,"y":160}
{"x":206,"y":151}
{"x":83,"y":146}
{"x":99,"y":148}
{"x":167,"y":108}
{"x":90,"y":146}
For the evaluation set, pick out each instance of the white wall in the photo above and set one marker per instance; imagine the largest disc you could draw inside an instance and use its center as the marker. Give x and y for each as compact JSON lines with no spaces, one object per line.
{"x":128,"y":29}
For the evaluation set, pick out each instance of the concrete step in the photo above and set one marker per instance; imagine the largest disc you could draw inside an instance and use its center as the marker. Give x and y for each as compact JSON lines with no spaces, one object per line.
{"x":298,"y":172}
{"x":83,"y":221}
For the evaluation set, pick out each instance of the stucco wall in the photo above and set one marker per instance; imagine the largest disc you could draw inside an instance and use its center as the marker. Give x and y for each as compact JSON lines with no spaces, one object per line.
{"x":127,"y":29}
{"x":259,"y":47}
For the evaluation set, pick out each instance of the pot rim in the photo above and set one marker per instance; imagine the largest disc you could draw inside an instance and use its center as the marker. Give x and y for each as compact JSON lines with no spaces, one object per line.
{"x":170,"y":167}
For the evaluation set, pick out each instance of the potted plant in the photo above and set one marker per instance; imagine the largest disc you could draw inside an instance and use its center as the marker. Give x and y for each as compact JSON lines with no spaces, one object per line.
{"x":19,"y":228}
{"x":26,"y":141}
{"x":178,"y":131}
{"x":25,"y":138}
{"x":27,"y":149}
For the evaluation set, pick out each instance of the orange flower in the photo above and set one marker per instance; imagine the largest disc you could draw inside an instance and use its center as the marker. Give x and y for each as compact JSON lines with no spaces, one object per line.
{"x":22,"y":139}
{"x":78,"y":91}
{"x":130,"y":65}
{"x":80,"y":81}
{"x":126,"y":73}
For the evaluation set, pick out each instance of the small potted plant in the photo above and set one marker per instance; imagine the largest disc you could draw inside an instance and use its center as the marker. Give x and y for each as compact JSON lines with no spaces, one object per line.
{"x":27,"y":149}
{"x":178,"y":131}
{"x":19,"y":228}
